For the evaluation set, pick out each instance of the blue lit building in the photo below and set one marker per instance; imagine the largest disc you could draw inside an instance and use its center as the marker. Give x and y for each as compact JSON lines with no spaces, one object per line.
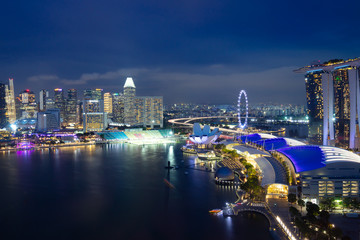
{"x":323,"y":171}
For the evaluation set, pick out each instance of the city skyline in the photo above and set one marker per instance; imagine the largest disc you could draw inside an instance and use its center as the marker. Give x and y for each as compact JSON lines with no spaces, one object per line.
{"x":187,"y":119}
{"x":162,"y":44}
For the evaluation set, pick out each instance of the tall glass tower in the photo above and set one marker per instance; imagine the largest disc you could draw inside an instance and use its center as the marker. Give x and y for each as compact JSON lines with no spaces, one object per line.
{"x":60,"y":102}
{"x":129,"y":103}
{"x":71,"y":107}
{"x":342,"y":107}
{"x":314,"y":100}
{"x":3,"y":119}
{"x":333,"y":100}
{"x":118,"y":107}
{"x":42,"y":100}
{"x":10,"y":102}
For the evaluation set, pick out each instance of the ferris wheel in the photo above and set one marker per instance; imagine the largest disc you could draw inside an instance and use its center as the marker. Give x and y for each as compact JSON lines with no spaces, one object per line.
{"x":243,"y":125}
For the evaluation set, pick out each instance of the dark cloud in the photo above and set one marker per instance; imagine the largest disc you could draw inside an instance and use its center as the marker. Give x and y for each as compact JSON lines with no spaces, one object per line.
{"x":174,"y":48}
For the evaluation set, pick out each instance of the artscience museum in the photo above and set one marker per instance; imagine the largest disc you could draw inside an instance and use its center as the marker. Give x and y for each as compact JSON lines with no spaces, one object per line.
{"x":204,"y":136}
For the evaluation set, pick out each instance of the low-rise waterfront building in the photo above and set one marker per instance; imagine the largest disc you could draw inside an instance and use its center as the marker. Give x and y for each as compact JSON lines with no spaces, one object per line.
{"x":323,"y":171}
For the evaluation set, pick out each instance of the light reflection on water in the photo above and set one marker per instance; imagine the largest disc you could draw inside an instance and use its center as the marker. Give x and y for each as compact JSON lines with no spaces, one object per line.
{"x":112,"y":190}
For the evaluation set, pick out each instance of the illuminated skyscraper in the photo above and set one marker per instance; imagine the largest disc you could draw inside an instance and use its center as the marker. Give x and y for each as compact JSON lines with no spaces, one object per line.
{"x":108,"y":103}
{"x":27,"y":104}
{"x":27,"y":96}
{"x":129,"y":102}
{"x":314,"y":99}
{"x":50,"y":104}
{"x":141,"y":111}
{"x":42,"y":100}
{"x":93,"y":94}
{"x":3,"y":120}
{"x":341,"y":107}
{"x":71,"y":108}
{"x":60,"y":102}
{"x":333,"y":94}
{"x":94,"y":117}
{"x":149,"y":111}
{"x":10,"y":102}
{"x":118,"y":107}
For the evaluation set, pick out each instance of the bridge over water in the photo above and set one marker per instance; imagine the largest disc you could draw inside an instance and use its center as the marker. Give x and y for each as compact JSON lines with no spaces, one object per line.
{"x":276,"y":226}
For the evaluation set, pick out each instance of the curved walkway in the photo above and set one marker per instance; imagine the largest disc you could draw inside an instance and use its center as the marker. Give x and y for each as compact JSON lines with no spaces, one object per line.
{"x":272,"y":170}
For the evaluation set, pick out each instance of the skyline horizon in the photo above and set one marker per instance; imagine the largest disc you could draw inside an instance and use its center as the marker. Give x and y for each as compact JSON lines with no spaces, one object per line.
{"x":37,"y":90}
{"x":115,"y":76}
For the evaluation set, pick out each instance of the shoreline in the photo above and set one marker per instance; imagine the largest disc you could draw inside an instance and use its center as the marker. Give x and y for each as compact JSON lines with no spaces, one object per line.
{"x":88,"y":144}
{"x":53,"y":146}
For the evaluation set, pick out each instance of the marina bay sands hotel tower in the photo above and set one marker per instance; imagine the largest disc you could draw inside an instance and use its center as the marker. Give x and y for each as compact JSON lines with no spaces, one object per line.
{"x":333,"y":101}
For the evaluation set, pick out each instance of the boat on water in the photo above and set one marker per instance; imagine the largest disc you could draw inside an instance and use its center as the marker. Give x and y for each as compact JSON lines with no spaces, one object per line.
{"x":207,"y":156}
{"x":216,"y":212}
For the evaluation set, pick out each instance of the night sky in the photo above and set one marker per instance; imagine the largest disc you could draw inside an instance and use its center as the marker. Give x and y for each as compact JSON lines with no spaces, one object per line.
{"x":200,"y":51}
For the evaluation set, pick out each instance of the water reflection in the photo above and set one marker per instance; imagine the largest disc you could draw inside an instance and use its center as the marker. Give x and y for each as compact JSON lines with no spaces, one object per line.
{"x":113,"y":190}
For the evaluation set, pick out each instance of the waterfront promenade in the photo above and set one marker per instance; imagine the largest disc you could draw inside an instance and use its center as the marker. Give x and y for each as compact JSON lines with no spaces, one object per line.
{"x":52,"y":146}
{"x":275,"y":209}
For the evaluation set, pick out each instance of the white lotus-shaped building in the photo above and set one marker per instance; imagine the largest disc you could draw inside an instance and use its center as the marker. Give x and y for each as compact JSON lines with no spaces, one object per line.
{"x":204,"y":136}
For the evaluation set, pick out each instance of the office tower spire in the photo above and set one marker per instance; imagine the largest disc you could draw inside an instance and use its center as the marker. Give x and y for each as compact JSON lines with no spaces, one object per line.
{"x":129,"y":83}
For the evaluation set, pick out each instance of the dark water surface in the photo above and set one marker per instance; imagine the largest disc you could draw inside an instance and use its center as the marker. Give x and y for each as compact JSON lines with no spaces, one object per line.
{"x":114,"y":191}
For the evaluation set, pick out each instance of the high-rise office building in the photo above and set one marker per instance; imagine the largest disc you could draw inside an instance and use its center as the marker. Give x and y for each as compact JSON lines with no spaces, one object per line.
{"x":108,"y":103}
{"x":80,"y":112}
{"x":10,"y":102}
{"x":48,"y":120}
{"x":27,"y":104}
{"x":149,"y":111}
{"x":3,"y":119}
{"x":43,"y":96}
{"x":71,"y":108}
{"x":94,"y":117}
{"x":27,"y":96}
{"x":50,"y":103}
{"x":341,"y":107}
{"x":118,"y":107}
{"x":60,"y":102}
{"x":314,"y":99}
{"x":333,"y":94}
{"x":93,"y":94}
{"x":141,"y":111}
{"x":129,"y":102}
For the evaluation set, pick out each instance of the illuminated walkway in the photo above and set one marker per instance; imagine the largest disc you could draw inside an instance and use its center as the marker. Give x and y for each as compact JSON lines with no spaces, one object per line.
{"x":276,"y":210}
{"x":276,"y":222}
{"x":272,"y":171}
